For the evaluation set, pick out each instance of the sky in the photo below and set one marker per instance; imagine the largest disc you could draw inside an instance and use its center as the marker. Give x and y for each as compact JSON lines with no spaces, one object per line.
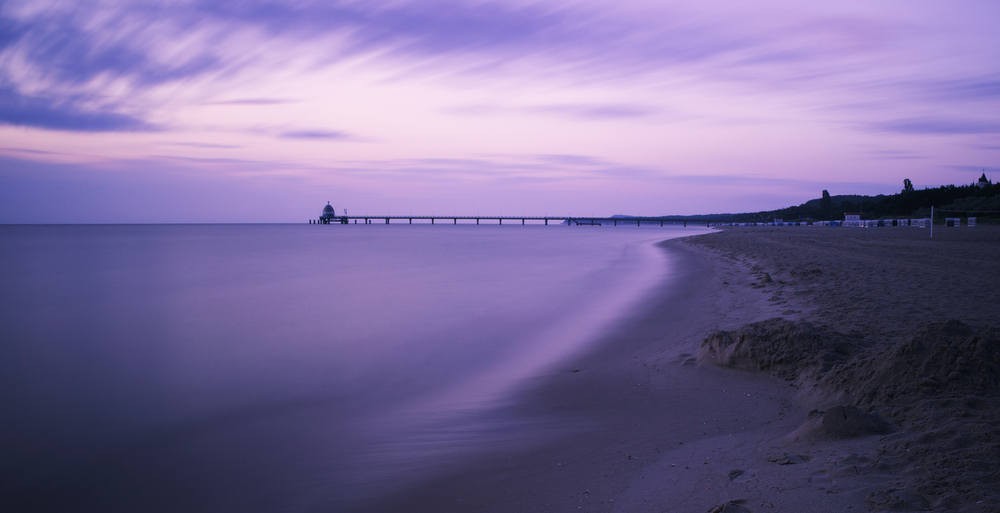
{"x":263,"y":111}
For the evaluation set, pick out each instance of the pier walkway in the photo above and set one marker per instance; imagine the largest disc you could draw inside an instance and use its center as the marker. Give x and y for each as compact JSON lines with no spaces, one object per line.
{"x":570,"y":221}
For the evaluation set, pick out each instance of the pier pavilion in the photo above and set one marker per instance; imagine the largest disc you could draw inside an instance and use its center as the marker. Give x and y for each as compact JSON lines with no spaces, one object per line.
{"x":329,"y":215}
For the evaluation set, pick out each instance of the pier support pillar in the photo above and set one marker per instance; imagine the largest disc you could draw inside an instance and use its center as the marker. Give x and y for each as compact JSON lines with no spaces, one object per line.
{"x":546,"y":222}
{"x":432,"y":220}
{"x":387,"y":220}
{"x":522,"y":222}
{"x":411,"y":220}
{"x":477,"y":222}
{"x":456,"y":221}
{"x":501,"y":220}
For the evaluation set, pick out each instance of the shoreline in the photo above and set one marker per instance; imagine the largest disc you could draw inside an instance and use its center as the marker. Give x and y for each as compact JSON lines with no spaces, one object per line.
{"x":644,"y":413}
{"x":659,"y":429}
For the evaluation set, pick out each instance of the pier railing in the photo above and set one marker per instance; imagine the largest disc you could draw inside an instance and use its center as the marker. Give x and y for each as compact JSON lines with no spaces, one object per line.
{"x":570,"y":221}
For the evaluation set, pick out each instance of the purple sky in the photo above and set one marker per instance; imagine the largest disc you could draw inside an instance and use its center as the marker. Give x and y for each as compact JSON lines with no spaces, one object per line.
{"x":262,"y":111}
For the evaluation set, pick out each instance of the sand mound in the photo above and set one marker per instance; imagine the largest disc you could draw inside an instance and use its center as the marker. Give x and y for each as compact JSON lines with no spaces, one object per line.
{"x":784,"y":348}
{"x":840,"y":422}
{"x":939,"y":383}
{"x":947,"y":359}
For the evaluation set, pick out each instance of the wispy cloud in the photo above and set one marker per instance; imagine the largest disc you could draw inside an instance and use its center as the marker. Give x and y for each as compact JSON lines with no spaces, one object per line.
{"x":931,"y":125}
{"x":29,"y":151}
{"x":974,"y":169}
{"x":252,"y":101}
{"x":499,"y":169}
{"x":569,"y":160}
{"x":205,"y":145}
{"x":78,"y":51}
{"x":74,"y":49}
{"x":62,"y":114}
{"x":896,"y":155}
{"x":972,"y":88}
{"x":597,"y":112}
{"x":579,"y":111}
{"x":315,"y":134}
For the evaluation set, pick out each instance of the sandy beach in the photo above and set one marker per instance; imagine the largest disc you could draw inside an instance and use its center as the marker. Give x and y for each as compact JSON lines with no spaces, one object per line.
{"x":779,"y":369}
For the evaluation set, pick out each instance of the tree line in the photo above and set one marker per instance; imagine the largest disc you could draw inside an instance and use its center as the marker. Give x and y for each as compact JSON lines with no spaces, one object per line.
{"x":913,"y":203}
{"x":908,"y":203}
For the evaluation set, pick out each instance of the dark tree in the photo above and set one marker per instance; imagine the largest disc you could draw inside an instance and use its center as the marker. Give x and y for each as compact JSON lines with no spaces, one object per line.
{"x":825,"y":205}
{"x":907,"y":185}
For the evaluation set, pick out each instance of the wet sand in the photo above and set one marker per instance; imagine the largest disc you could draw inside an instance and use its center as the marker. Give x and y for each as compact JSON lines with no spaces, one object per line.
{"x":701,"y":403}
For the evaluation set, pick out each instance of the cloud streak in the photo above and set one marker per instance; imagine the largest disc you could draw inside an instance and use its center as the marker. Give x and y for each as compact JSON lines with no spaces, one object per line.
{"x":938,"y":126}
{"x":579,"y":111}
{"x":205,"y":145}
{"x":141,"y":45}
{"x":252,"y":101}
{"x":62,"y":114}
{"x":316,"y":134}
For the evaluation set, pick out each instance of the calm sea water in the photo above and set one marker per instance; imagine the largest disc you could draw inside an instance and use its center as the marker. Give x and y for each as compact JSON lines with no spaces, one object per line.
{"x":284,"y":367}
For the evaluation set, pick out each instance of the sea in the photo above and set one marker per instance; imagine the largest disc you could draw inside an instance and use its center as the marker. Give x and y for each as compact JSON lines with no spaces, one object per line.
{"x":288,"y":367}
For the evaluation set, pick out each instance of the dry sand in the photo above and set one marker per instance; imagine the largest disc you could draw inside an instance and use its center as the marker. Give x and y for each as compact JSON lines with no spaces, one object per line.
{"x":780,"y":369}
{"x":895,"y":326}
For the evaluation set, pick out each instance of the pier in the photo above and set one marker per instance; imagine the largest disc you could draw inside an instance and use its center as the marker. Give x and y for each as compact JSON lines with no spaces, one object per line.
{"x":330,"y":216}
{"x":569,"y":220}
